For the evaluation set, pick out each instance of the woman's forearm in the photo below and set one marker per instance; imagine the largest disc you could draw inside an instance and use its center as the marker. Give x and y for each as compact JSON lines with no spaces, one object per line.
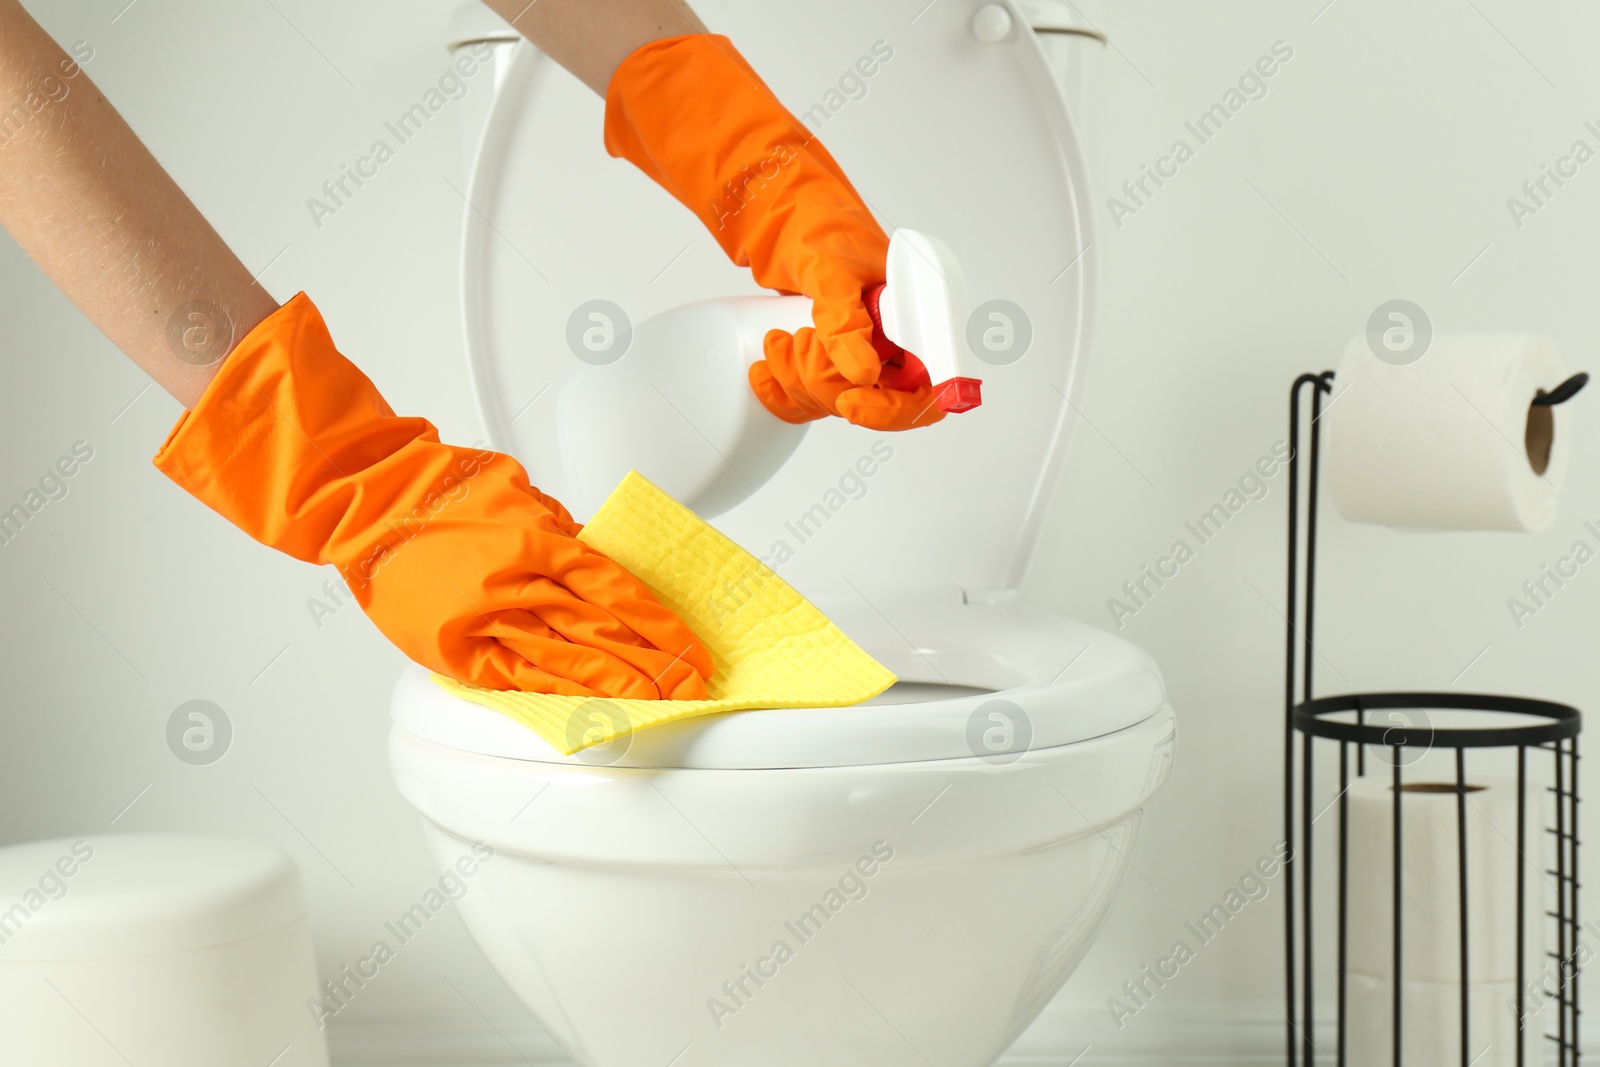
{"x":89,"y":203}
{"x":591,"y":38}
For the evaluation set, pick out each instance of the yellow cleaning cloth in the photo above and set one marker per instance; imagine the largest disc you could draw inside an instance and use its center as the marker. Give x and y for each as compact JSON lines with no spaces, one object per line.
{"x":772,"y":648}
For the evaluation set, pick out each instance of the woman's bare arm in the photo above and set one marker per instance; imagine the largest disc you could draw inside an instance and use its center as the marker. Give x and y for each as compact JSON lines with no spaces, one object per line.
{"x":84,"y":197}
{"x":591,"y":38}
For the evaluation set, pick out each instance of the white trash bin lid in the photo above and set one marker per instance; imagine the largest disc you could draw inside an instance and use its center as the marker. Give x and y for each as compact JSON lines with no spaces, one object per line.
{"x":105,"y":896}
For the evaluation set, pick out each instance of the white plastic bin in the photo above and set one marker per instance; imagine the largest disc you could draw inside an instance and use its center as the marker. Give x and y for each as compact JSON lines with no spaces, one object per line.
{"x":181,"y":950}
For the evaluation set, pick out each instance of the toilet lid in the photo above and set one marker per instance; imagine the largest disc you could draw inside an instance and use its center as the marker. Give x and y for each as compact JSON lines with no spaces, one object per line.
{"x":993,"y":682}
{"x":962,"y":139}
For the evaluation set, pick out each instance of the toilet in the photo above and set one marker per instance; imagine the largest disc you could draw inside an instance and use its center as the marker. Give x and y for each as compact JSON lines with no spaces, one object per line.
{"x":904,"y":882}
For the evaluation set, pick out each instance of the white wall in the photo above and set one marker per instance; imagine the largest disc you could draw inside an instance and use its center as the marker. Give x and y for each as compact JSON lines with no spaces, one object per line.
{"x":1377,"y":166}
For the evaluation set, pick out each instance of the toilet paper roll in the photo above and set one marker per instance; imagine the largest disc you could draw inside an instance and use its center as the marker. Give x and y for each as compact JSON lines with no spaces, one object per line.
{"x":1430,"y":912}
{"x":1430,"y":1024}
{"x":1451,"y":441}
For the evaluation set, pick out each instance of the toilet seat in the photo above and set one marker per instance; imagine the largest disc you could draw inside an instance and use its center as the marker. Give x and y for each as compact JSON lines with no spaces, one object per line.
{"x":1058,"y":682}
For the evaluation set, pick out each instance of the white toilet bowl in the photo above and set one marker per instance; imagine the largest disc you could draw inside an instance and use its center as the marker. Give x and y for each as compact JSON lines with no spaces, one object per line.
{"x":903,"y":882}
{"x":846,"y":886}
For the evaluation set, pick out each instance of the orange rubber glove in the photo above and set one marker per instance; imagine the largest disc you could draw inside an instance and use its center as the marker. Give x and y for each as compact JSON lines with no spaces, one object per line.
{"x":461,"y":563}
{"x":691,"y":114}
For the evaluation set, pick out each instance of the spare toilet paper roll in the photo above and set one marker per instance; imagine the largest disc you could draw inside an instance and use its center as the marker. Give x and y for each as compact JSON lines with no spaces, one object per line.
{"x":1451,"y":441}
{"x":1430,"y":1024}
{"x":1430,"y":931}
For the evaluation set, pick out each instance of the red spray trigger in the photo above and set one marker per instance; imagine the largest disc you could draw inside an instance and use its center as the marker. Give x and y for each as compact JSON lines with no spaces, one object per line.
{"x":903,"y":370}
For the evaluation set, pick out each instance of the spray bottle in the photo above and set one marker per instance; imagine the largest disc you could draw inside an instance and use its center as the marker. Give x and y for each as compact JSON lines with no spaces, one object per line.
{"x":677,"y":406}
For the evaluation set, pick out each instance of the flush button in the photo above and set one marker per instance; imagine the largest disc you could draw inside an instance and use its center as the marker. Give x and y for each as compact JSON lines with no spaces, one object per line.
{"x":991,"y":24}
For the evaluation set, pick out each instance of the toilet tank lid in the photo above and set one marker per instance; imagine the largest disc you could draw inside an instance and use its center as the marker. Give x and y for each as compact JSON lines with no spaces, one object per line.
{"x":106,"y":896}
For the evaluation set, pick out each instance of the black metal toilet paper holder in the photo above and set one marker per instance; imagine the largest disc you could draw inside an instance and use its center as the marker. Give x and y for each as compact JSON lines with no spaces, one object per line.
{"x":1551,"y":727}
{"x":1561,"y":393}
